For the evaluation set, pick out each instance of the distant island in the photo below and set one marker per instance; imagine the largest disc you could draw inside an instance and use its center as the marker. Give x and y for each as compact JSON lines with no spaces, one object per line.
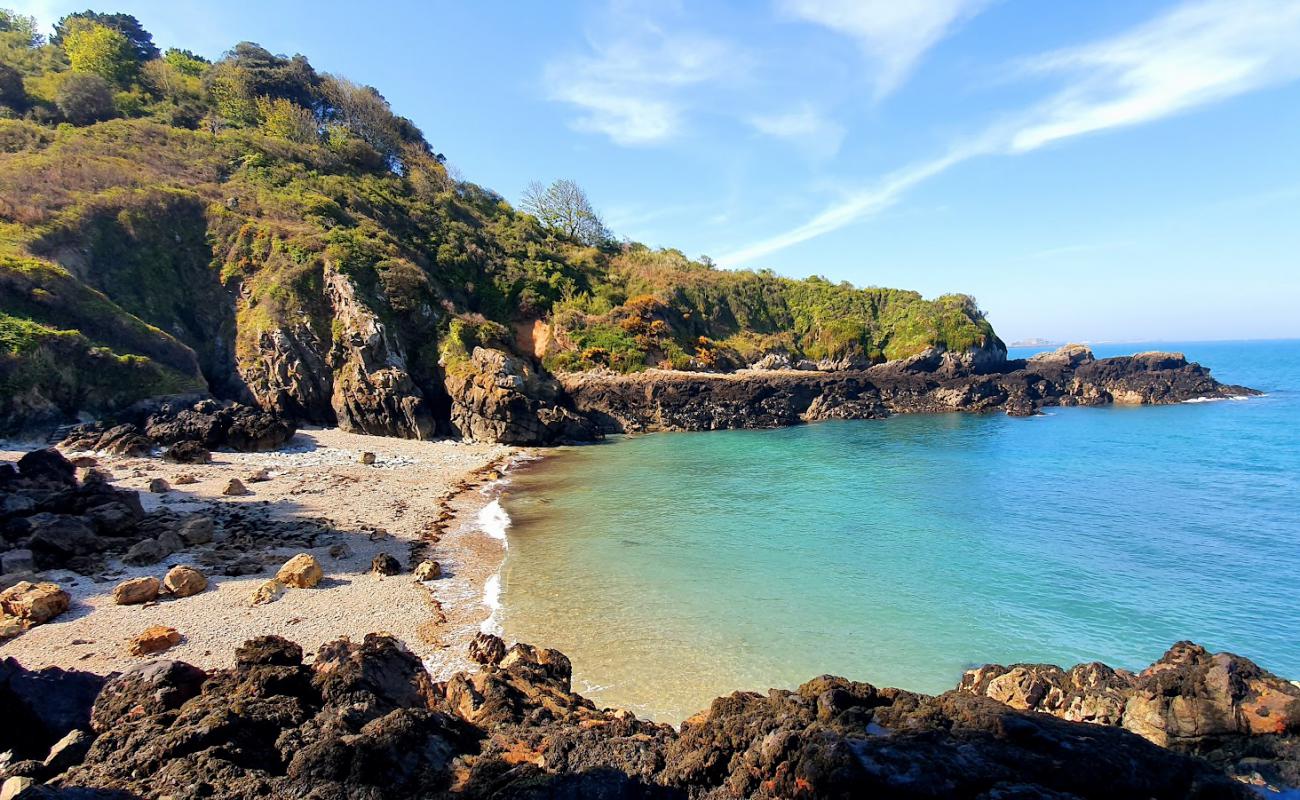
{"x":1035,"y":342}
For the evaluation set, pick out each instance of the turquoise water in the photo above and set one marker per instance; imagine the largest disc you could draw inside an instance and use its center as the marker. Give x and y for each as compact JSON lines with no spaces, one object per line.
{"x":676,"y":567}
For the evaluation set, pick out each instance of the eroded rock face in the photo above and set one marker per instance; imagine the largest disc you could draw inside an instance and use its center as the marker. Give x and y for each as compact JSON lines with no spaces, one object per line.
{"x":499,"y":397}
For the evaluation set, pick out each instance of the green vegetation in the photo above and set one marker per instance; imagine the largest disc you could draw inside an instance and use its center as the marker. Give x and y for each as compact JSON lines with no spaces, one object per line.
{"x":182,"y":213}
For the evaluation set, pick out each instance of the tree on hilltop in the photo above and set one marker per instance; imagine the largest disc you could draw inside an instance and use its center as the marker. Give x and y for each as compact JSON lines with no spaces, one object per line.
{"x":563,"y":208}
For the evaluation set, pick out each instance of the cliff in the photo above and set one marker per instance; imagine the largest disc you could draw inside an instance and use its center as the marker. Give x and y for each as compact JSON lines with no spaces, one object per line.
{"x":363,"y":719}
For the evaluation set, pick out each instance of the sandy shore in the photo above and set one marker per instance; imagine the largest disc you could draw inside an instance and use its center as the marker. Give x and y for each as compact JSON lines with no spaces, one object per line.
{"x":413,"y":489}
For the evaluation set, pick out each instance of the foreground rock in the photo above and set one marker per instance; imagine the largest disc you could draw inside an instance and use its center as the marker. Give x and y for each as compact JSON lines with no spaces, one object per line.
{"x":34,"y":603}
{"x":930,"y":382}
{"x":364,"y":720}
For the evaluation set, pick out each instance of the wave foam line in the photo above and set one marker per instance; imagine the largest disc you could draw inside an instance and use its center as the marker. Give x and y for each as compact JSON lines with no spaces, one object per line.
{"x":494,"y":521}
{"x":492,"y":599}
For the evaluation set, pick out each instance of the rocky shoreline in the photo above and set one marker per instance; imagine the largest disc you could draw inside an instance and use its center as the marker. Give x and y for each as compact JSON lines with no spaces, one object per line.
{"x":363,"y":719}
{"x":1071,"y":376}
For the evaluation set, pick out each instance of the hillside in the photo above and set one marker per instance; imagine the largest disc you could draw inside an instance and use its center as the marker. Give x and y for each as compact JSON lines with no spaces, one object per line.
{"x":264,"y":232}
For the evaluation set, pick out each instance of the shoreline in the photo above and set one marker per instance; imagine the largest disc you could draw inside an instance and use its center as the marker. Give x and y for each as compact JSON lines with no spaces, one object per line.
{"x":420,"y":499}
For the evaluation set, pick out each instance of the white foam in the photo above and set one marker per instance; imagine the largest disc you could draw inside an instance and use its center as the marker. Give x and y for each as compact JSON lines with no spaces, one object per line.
{"x":492,"y":599}
{"x":494,"y":521}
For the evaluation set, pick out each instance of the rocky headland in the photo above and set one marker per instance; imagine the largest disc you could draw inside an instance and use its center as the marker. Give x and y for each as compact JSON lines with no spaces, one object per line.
{"x":363,"y":719}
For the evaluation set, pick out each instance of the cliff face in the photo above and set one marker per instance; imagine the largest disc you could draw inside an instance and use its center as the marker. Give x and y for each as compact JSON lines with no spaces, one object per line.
{"x":365,"y":720}
{"x":928,"y":383}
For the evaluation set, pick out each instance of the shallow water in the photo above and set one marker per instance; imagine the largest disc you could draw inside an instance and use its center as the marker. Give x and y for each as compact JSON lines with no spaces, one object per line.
{"x":673,"y":568}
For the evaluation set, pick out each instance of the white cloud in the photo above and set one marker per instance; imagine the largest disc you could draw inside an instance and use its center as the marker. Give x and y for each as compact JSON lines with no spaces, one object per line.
{"x":894,"y":34}
{"x":1196,"y":54}
{"x":630,"y":87}
{"x":806,"y":127}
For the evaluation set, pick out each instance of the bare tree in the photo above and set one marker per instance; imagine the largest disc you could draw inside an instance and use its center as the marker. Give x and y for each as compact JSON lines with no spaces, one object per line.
{"x":563,"y":208}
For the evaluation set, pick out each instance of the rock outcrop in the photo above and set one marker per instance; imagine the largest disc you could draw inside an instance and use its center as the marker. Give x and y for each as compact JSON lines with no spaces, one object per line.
{"x":190,"y":430}
{"x":933,"y":381}
{"x":365,"y":720}
{"x":499,"y":397}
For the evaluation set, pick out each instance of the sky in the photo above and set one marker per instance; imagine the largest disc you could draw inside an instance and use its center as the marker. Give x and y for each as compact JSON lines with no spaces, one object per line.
{"x":1089,"y":170}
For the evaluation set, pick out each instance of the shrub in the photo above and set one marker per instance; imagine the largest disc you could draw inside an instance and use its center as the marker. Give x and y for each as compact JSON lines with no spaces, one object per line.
{"x":84,"y":98}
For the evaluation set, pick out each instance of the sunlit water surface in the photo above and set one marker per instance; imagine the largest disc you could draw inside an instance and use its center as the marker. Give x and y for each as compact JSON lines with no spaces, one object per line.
{"x":676,"y":567}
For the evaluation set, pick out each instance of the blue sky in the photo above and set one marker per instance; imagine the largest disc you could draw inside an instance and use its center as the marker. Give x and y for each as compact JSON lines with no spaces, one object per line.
{"x":1088,"y":169}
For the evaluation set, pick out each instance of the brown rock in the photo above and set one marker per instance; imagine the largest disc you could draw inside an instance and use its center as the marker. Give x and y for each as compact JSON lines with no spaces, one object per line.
{"x":152,"y":640}
{"x":34,"y":603}
{"x":259,"y":476}
{"x":185,"y":479}
{"x":367,"y":458}
{"x":136,"y":591}
{"x":235,"y":488}
{"x":428,"y":570}
{"x":10,"y":627}
{"x":84,"y":461}
{"x":268,"y":592}
{"x":302,"y":571}
{"x":159,"y":486}
{"x":385,"y":564}
{"x":185,"y":581}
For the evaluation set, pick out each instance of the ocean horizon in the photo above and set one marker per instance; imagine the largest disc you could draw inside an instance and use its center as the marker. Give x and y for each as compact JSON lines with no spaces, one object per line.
{"x":675,"y":567}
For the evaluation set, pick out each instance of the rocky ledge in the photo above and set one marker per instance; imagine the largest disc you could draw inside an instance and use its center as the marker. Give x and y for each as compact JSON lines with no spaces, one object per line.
{"x":930,"y":382}
{"x":364,"y":720}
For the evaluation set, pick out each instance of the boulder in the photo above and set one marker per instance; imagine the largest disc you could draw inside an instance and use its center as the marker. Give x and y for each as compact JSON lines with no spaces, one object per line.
{"x":302,"y":571}
{"x":186,"y":479}
{"x":47,"y":465}
{"x":259,"y":476}
{"x":170,"y":542}
{"x":154,"y":639}
{"x":81,"y":462}
{"x":197,"y":529}
{"x":15,"y":787}
{"x":499,"y":397}
{"x":119,"y":440}
{"x":17,"y":560}
{"x":385,"y":564}
{"x":487,"y":649}
{"x":268,"y":651}
{"x":235,"y":488}
{"x":144,"y":553}
{"x":184,"y":581}
{"x":34,"y":603}
{"x":428,"y":570}
{"x":57,"y":538}
{"x":159,"y":485}
{"x":268,"y":592}
{"x":136,"y":591}
{"x":188,"y":451}
{"x":40,"y":706}
{"x":116,"y":517}
{"x":153,"y":687}
{"x":367,"y":458}
{"x":68,"y":751}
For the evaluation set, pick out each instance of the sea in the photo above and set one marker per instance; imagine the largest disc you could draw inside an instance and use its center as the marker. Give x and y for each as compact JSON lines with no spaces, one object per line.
{"x":673,"y":568}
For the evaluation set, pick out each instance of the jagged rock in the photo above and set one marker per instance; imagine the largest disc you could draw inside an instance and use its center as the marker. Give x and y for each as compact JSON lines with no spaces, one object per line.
{"x":144,"y":553}
{"x":119,"y":440}
{"x":428,"y":570}
{"x":197,"y":530}
{"x":302,"y":571}
{"x":159,"y":485}
{"x":34,"y":603}
{"x":136,"y":591}
{"x":154,"y":639}
{"x":188,"y":451}
{"x":487,"y":648}
{"x":184,"y":581}
{"x":274,"y":651}
{"x":499,"y":397}
{"x":153,"y":687}
{"x":68,"y":751}
{"x":385,"y":564}
{"x":268,"y":592}
{"x":212,"y":425}
{"x":16,"y":787}
{"x":235,"y":488}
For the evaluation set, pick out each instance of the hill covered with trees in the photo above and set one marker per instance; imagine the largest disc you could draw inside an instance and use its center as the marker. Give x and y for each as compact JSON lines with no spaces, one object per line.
{"x":261,"y":230}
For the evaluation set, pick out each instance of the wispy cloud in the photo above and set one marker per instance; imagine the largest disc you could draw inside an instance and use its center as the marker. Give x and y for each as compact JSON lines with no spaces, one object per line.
{"x":894,"y":34}
{"x":806,"y":127}
{"x":1198,"y":53}
{"x":630,"y":85}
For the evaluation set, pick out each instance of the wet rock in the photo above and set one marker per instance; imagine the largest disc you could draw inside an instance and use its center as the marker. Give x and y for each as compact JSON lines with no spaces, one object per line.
{"x":188,"y":451}
{"x":154,"y":639}
{"x":428,"y":570}
{"x":235,"y":488}
{"x":159,"y":485}
{"x":268,"y":592}
{"x":302,"y":571}
{"x":385,"y":564}
{"x":34,"y":603}
{"x":184,"y":581}
{"x":144,"y":553}
{"x":136,"y":591}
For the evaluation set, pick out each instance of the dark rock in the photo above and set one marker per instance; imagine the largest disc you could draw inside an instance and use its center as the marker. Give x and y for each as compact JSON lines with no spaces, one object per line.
{"x":119,"y":440}
{"x":40,"y":707}
{"x":273,"y":651}
{"x":188,"y":451}
{"x":385,"y":564}
{"x":47,"y":465}
{"x":57,"y":538}
{"x":487,"y":649}
{"x":144,"y":690}
{"x":499,"y":397}
{"x":68,"y":751}
{"x":144,"y":553}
